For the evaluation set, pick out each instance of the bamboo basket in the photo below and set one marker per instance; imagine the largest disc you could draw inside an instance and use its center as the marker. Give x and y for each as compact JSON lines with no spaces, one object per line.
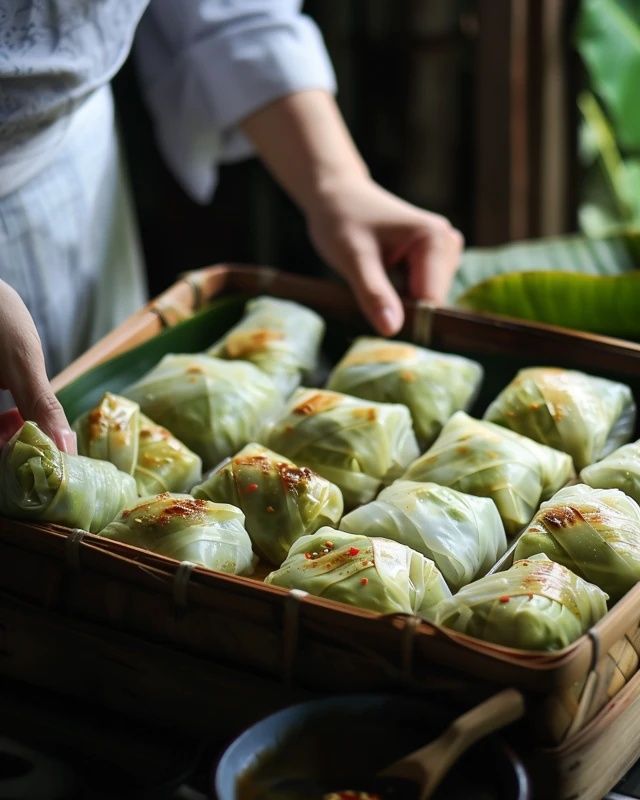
{"x":209,"y":651}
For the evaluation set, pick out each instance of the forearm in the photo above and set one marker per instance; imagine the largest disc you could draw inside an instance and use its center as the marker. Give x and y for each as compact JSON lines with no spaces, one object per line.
{"x":303,"y":140}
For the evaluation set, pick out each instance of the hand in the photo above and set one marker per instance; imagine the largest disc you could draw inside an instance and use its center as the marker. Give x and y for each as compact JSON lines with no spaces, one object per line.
{"x":357,"y":226}
{"x":361,"y":230}
{"x":23,"y":372}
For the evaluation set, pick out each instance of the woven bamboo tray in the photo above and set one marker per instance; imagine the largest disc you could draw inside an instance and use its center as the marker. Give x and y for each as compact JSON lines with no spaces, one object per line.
{"x":144,"y":634}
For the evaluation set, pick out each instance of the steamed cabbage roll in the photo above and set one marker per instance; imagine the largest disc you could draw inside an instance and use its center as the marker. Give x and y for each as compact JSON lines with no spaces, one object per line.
{"x":215,"y":407}
{"x":619,"y":470}
{"x":535,"y":605}
{"x":487,"y":460}
{"x":463,"y":534}
{"x":377,"y":574}
{"x":593,"y":532}
{"x":279,"y":336}
{"x":40,"y":483}
{"x":116,"y":431}
{"x":281,"y":502}
{"x":584,"y":416}
{"x":181,"y":527}
{"x":357,"y":444}
{"x":432,"y":385}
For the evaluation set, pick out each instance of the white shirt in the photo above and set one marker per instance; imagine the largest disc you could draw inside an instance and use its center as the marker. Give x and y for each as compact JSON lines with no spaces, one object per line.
{"x":204,"y":65}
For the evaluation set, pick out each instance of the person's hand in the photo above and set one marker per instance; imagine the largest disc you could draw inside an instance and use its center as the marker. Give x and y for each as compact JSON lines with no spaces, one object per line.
{"x":23,"y":373}
{"x":361,"y":230}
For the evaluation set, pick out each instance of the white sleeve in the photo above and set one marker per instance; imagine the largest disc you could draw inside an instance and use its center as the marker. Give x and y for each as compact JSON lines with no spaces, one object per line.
{"x":204,"y":65}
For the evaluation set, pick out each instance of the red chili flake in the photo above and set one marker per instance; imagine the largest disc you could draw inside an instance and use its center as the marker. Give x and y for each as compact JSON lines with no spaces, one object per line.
{"x":353,"y":551}
{"x":251,"y":487}
{"x":364,"y":581}
{"x":270,"y":509}
{"x":308,"y":555}
{"x":504,"y":599}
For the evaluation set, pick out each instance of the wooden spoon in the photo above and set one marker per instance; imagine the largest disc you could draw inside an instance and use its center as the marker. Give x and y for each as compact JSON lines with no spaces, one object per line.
{"x":427,"y":766}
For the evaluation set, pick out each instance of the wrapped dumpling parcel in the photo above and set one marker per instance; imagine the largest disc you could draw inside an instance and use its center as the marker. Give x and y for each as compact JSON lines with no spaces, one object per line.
{"x":281,"y":501}
{"x":593,"y":532}
{"x":535,"y":605}
{"x":463,"y":534}
{"x":619,"y":470}
{"x":432,"y":385}
{"x":115,"y":430}
{"x":364,"y":571}
{"x":38,"y":482}
{"x":357,"y":444}
{"x":480,"y":458}
{"x":279,"y":336}
{"x":215,"y":407}
{"x":181,"y":527}
{"x":579,"y":414}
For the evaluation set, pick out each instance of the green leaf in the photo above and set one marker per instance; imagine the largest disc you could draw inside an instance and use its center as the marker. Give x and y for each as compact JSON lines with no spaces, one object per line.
{"x":608,"y":39}
{"x":596,"y":303}
{"x":604,"y":256}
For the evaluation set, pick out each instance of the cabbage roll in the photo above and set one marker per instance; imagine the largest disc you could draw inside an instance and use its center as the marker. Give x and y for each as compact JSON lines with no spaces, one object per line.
{"x":619,"y":470}
{"x":432,"y":385}
{"x":486,"y":460}
{"x":279,"y":336}
{"x":281,"y":502}
{"x":357,"y":444}
{"x":463,"y":534}
{"x":579,"y":414}
{"x":593,"y":532}
{"x":181,"y":527}
{"x":116,"y":431}
{"x":372,"y":573}
{"x":40,"y":483}
{"x":535,"y":605}
{"x":215,"y":407}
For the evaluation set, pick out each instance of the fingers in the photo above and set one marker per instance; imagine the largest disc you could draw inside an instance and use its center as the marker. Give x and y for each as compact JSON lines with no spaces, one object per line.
{"x":433,"y":258}
{"x":363,"y":268}
{"x":23,"y":372}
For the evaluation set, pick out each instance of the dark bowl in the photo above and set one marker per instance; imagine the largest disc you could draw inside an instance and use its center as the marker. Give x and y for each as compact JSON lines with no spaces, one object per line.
{"x":344,"y":737}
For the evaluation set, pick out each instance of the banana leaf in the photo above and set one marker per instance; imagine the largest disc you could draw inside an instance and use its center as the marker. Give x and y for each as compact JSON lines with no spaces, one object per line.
{"x":608,"y":39}
{"x":605,"y":305}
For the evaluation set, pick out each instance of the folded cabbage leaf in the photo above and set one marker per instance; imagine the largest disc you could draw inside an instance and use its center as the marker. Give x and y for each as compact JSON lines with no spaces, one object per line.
{"x":486,"y":460}
{"x":593,"y":532}
{"x":579,"y":414}
{"x":40,"y":483}
{"x":181,"y":527}
{"x":432,"y":385}
{"x":535,"y":605}
{"x":372,"y":573}
{"x":214,"y":406}
{"x":281,"y":502}
{"x":619,"y":470}
{"x":116,"y":431}
{"x":357,"y":444}
{"x":463,"y":534}
{"x":280,"y":337}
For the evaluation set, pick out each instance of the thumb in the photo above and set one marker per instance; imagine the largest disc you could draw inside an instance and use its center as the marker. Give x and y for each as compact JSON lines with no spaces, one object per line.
{"x":367,"y":276}
{"x":36,"y":401}
{"x":23,"y":372}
